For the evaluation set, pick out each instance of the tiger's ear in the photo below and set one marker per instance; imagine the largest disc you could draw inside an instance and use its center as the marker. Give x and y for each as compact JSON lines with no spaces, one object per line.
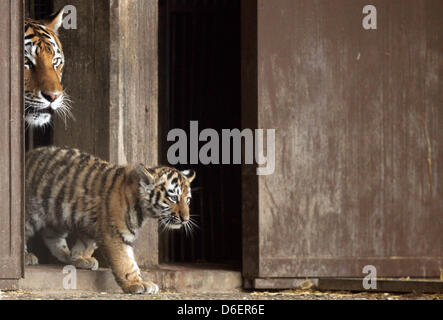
{"x":145,"y":176}
{"x":189,"y":174}
{"x":55,"y":21}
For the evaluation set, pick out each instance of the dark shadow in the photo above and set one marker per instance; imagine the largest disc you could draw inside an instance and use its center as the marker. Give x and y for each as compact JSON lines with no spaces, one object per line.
{"x":200,"y":80}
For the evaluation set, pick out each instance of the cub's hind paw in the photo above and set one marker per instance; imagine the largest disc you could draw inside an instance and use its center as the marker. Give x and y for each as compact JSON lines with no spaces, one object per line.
{"x":142,"y":287}
{"x":30,"y":259}
{"x":86,"y":263}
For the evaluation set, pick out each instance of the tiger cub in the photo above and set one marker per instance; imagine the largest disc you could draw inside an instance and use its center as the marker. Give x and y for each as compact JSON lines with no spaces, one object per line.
{"x":105,"y":204}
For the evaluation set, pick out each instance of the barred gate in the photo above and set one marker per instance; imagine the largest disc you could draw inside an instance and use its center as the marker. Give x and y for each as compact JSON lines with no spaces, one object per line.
{"x":200,"y":81}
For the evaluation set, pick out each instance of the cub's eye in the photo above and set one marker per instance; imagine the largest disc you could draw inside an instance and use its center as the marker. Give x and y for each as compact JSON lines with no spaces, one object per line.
{"x":173,"y":198}
{"x":28,"y":64}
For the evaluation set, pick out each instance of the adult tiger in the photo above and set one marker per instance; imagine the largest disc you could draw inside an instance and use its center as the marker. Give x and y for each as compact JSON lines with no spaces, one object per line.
{"x":44,"y":61}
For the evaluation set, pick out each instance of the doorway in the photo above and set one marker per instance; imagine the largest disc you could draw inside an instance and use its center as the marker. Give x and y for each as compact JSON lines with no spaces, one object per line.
{"x":39,"y":136}
{"x":200,"y":80}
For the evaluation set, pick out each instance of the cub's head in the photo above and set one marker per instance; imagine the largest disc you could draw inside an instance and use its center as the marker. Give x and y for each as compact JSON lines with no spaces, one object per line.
{"x":44,"y":63}
{"x":165,"y":193}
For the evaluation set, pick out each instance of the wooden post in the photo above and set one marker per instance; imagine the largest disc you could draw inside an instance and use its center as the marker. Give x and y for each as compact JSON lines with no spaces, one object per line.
{"x":250,"y":209}
{"x":11,"y":140}
{"x":111,"y":76}
{"x":134,"y":98}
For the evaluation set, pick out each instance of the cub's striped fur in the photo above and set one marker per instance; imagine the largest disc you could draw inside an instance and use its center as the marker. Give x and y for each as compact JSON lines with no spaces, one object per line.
{"x":105,"y":204}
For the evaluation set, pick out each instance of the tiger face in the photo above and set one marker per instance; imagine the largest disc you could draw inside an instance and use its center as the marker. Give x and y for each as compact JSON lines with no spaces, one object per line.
{"x":43,"y":69}
{"x":165,"y":193}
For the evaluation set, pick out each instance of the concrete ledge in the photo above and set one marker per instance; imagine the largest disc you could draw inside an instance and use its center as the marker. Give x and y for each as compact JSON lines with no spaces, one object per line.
{"x":383,"y":285}
{"x":8,"y":284}
{"x":280,"y":283}
{"x":346,"y":284}
{"x":179,"y":278}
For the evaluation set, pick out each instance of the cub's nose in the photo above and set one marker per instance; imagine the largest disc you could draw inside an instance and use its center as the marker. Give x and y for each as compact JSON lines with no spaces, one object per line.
{"x":51,"y":96}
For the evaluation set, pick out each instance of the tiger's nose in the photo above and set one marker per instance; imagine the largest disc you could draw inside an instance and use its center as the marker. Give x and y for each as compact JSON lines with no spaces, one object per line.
{"x":51,"y":96}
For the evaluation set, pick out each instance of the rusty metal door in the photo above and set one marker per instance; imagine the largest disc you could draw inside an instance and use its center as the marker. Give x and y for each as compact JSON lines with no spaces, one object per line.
{"x":358,"y":146}
{"x":11,"y":142}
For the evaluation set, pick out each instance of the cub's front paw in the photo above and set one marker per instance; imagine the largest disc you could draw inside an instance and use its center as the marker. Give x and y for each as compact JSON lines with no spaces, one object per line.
{"x":141,"y":287}
{"x":30,"y":259}
{"x":86,"y":263}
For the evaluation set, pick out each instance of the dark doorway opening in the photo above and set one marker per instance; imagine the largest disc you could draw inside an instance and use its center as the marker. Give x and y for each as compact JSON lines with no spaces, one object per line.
{"x":200,"y":80}
{"x":37,"y":137}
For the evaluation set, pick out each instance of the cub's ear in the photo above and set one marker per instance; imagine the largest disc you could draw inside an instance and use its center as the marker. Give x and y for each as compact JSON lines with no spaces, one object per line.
{"x":55,"y":21}
{"x":145,"y":176}
{"x":189,"y":174}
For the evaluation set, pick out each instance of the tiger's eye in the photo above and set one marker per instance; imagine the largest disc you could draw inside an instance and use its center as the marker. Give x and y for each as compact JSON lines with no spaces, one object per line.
{"x":57,"y":61}
{"x":28,"y":63}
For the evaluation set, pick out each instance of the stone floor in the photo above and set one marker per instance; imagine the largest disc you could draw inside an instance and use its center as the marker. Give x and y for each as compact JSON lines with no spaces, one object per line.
{"x":253,"y":295}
